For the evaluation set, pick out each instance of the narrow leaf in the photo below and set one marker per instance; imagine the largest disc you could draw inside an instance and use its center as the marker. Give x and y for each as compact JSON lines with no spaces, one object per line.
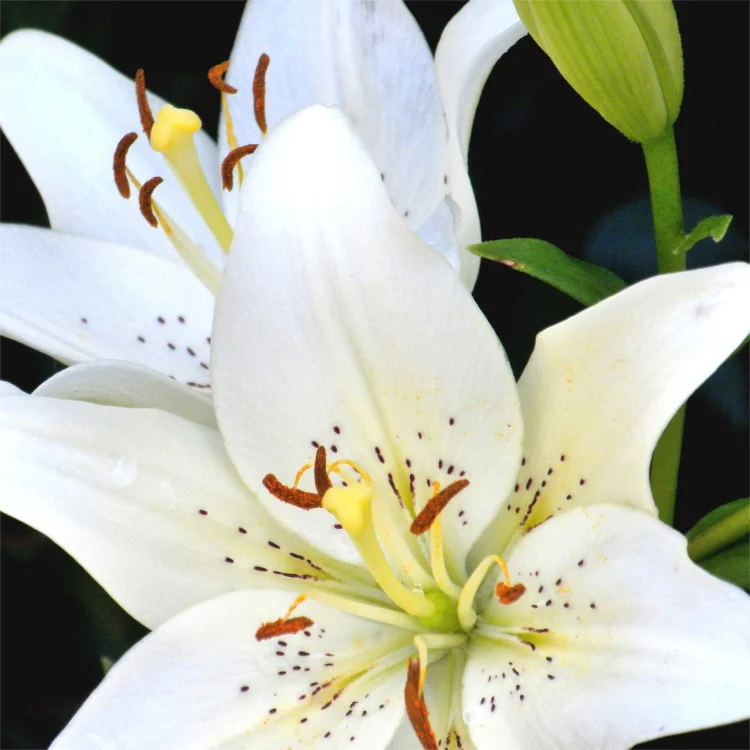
{"x":585,"y":282}
{"x":721,"y":528}
{"x":712,"y":226}
{"x":731,"y":564}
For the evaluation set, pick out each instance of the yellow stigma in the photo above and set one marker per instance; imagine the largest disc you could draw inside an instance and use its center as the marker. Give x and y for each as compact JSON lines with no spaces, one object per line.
{"x":172,"y":135}
{"x":173,"y":127}
{"x":350,"y":505}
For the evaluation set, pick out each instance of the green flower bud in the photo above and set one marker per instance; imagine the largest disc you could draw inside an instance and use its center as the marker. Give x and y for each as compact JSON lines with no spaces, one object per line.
{"x":624,"y":57}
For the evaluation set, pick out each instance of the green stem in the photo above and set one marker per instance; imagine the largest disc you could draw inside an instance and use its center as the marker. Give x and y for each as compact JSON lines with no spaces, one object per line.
{"x":721,"y":535}
{"x":666,"y":208}
{"x":666,"y":203}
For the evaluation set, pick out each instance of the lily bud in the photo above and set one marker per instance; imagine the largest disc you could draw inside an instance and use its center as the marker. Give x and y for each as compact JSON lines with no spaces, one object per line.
{"x":624,"y":57}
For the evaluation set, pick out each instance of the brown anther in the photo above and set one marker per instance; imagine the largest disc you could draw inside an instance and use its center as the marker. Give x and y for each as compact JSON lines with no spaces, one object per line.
{"x":144,"y":110}
{"x":322,"y":480}
{"x":215,"y":78}
{"x":145,"y":200}
{"x":298,"y":498}
{"x":118,"y":163}
{"x":509,"y":594}
{"x":435,"y":505}
{"x":230,"y":162}
{"x":259,"y":92}
{"x":282,"y":627}
{"x":416,"y":708}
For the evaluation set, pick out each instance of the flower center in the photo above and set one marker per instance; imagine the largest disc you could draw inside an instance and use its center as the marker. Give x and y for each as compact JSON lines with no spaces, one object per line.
{"x":440,"y":611}
{"x":171,"y":133}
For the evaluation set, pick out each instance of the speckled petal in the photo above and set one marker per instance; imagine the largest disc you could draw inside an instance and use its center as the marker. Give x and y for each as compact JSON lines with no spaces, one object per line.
{"x":601,"y":386}
{"x":147,"y":502}
{"x":631,"y":640}
{"x":202,"y":680}
{"x":79,"y":299}
{"x":367,"y":343}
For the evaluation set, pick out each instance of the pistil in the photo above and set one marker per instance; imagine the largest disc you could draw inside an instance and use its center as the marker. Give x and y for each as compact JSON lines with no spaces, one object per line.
{"x":506,"y":592}
{"x":172,"y":135}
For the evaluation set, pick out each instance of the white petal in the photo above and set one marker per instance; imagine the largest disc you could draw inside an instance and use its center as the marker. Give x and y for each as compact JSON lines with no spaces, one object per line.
{"x":115,"y":383}
{"x":64,"y":110}
{"x":182,"y":686}
{"x":78,"y":299}
{"x":368,"y":58}
{"x":366,"y":340}
{"x":8,"y":389}
{"x":601,"y":386}
{"x":473,"y":41}
{"x":122,"y":490}
{"x":649,"y":644}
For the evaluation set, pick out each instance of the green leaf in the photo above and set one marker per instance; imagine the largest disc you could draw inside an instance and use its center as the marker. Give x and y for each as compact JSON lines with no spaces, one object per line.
{"x":713,"y":226}
{"x":731,"y":564}
{"x":585,"y":282}
{"x":719,"y":529}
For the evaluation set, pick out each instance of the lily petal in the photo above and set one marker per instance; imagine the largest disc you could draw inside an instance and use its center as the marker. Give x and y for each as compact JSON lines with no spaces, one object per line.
{"x":359,"y":338}
{"x":115,"y":383}
{"x":64,"y":110}
{"x":202,"y":680}
{"x":638,"y":652}
{"x":146,"y":501}
{"x":8,"y":389}
{"x":94,"y":299}
{"x":601,"y":386}
{"x":368,"y":58}
{"x":472,"y":42}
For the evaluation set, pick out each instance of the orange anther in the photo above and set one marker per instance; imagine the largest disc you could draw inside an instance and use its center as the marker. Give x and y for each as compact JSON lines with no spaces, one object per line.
{"x":416,"y":708}
{"x":118,"y":163}
{"x":144,"y":110}
{"x":230,"y":162}
{"x":145,"y":200}
{"x":282,"y":627}
{"x":215,"y":78}
{"x":509,"y":594}
{"x":298,"y":498}
{"x":435,"y":505}
{"x":322,"y":480}
{"x":259,"y":92}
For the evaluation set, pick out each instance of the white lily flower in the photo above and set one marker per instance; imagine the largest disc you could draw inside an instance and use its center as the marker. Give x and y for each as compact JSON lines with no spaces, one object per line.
{"x":370,"y":430}
{"x":106,"y":285}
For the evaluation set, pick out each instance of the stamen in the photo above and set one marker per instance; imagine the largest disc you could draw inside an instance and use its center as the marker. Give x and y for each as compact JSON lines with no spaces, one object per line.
{"x":172,"y":135}
{"x":205,"y":271}
{"x":509,"y":594}
{"x":259,"y":92}
{"x":466,"y":614}
{"x":435,"y":505}
{"x":300,"y":474}
{"x":144,"y":200}
{"x":437,"y":561}
{"x":416,"y":709}
{"x":346,"y":462}
{"x":118,"y":163}
{"x":298,"y":498}
{"x":215,"y":78}
{"x":230,"y":162}
{"x":144,"y":110}
{"x":284,"y":625}
{"x":322,"y":481}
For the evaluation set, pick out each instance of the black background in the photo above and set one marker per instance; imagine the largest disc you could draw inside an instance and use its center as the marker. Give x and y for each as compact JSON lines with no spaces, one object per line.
{"x":542,"y":163}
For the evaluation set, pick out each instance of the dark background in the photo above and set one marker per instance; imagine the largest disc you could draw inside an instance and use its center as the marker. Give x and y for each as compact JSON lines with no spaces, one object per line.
{"x":543,"y":164}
